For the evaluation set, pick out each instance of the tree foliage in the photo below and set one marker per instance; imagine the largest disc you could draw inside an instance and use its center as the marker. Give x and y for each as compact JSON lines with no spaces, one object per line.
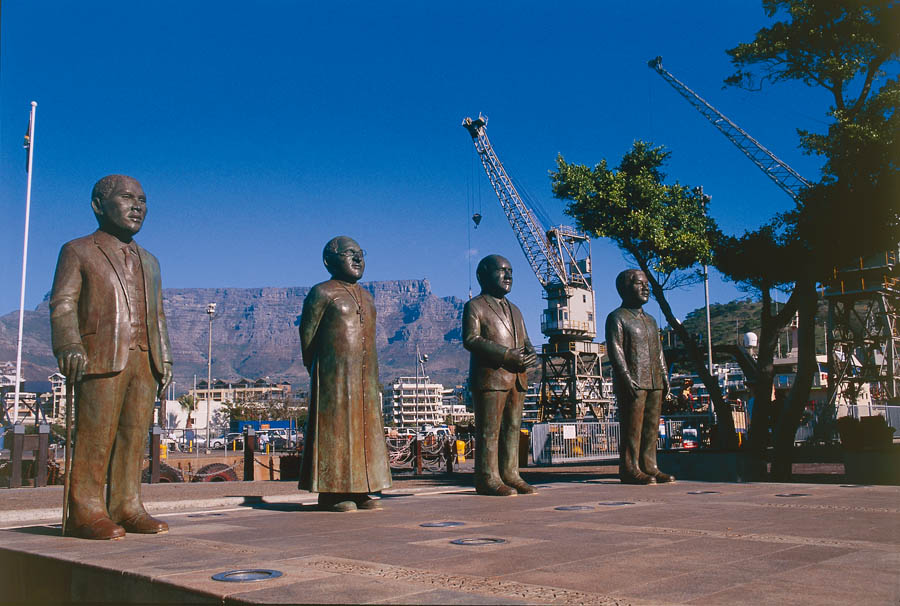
{"x":667,"y":225}
{"x":189,"y":405}
{"x":665,"y":228}
{"x":843,"y":48}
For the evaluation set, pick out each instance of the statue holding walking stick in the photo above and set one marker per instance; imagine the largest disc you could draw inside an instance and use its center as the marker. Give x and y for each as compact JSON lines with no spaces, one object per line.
{"x":110,"y":340}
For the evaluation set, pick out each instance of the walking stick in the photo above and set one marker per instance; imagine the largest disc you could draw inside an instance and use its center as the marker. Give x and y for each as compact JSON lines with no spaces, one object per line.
{"x":67,"y":481}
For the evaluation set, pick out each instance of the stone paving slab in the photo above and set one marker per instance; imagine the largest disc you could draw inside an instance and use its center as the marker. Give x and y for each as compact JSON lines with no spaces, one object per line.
{"x":684,"y":543}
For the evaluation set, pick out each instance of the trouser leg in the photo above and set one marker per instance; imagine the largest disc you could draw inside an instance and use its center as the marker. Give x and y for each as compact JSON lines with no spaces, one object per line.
{"x":98,"y":402}
{"x":650,"y":436}
{"x":131,"y":437}
{"x":631,"y":420}
{"x":488,"y":414}
{"x":509,"y":442}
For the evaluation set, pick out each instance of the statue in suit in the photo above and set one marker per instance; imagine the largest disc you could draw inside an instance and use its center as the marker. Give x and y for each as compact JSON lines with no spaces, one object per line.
{"x":640,"y":380}
{"x":345,"y":455}
{"x":109,"y":337}
{"x":494,"y":333}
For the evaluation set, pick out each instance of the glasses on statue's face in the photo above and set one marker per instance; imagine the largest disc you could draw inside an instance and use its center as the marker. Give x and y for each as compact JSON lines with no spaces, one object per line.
{"x":356,"y":255}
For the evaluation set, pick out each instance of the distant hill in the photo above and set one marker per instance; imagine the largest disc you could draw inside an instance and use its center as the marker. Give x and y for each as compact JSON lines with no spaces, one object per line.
{"x":255,"y":333}
{"x":729,"y":322}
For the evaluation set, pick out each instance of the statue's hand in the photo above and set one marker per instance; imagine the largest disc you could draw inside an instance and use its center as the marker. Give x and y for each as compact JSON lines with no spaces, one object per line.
{"x":530,"y":358}
{"x":72,"y":360}
{"x":514,"y":358}
{"x":632,"y":387}
{"x":164,"y":381}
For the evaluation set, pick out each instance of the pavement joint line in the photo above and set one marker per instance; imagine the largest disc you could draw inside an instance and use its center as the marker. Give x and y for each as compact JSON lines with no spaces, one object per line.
{"x":493,"y":587}
{"x":733,"y":534}
{"x":839,"y":508}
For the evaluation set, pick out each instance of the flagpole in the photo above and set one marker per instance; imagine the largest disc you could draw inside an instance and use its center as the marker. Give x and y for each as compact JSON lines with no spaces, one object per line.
{"x":30,"y":143}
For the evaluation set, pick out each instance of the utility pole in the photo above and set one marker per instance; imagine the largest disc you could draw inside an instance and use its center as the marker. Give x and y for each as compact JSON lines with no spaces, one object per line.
{"x":210,"y":311}
{"x":416,"y":419}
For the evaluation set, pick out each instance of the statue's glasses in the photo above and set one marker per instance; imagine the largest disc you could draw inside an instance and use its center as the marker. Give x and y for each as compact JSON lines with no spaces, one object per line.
{"x":357,"y":255}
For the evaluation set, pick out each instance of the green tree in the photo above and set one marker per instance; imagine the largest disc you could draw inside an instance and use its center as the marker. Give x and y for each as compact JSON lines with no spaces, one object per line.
{"x":763,"y":261}
{"x":188,"y":404}
{"x":665,"y":229}
{"x":843,"y":48}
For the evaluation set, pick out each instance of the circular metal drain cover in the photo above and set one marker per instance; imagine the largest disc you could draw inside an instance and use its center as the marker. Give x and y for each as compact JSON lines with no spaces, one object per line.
{"x":615,"y":503}
{"x":793,"y":494}
{"x":704,"y":492}
{"x":574,"y":508}
{"x":478,"y":541}
{"x":247,"y":576}
{"x":441,"y":524}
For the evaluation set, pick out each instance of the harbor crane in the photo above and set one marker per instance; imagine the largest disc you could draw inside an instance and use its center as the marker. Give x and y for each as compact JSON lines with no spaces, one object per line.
{"x":863,"y":299}
{"x":571,"y":380}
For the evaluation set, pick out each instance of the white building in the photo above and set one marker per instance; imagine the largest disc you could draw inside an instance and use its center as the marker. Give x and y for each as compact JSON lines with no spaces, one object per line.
{"x":408,"y":403}
{"x":58,"y":391}
{"x":241,"y":391}
{"x":7,"y":375}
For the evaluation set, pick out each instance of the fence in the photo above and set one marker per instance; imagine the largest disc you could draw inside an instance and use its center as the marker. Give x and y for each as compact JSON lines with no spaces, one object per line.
{"x":553,"y":443}
{"x":891,"y":414}
{"x":436,"y":453}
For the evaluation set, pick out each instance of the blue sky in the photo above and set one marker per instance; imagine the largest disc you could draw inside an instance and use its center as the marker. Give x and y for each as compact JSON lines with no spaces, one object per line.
{"x":260,"y":130}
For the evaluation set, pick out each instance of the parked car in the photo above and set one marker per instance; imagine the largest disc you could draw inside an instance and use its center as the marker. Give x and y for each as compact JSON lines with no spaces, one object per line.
{"x":233,"y":441}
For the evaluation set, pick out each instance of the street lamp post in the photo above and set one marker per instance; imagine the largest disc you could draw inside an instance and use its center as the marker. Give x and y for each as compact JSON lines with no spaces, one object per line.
{"x":210,"y":311}
{"x":420,"y":360}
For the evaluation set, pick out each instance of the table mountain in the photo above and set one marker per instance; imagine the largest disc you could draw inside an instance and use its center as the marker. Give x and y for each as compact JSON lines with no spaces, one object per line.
{"x":255,"y":333}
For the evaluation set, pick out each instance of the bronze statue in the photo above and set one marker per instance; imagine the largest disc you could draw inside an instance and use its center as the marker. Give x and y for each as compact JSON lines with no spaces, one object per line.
{"x":640,"y":380}
{"x":494,"y":333}
{"x":345,"y":455}
{"x":109,"y":337}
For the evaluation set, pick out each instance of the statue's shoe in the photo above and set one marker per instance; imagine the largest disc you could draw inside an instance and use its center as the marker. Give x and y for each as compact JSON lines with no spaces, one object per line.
{"x":521,"y":486}
{"x":495,"y":490}
{"x":663,"y":478}
{"x":369,"y":503}
{"x":101,"y":529}
{"x":636,"y":478}
{"x":143,"y":523}
{"x":336,"y":502}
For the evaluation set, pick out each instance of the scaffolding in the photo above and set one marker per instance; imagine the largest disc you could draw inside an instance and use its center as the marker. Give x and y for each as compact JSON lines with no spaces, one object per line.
{"x":863,"y":330}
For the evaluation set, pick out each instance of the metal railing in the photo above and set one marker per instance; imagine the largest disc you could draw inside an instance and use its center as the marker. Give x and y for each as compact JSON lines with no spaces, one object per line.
{"x":553,"y":443}
{"x":436,"y":452}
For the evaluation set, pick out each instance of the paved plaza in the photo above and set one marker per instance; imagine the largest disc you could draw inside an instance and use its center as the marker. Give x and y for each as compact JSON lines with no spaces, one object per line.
{"x":583,"y":539}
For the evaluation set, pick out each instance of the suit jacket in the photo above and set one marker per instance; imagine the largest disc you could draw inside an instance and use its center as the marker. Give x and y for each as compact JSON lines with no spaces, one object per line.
{"x":89,"y":304}
{"x":487,"y":334}
{"x":632,"y":340}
